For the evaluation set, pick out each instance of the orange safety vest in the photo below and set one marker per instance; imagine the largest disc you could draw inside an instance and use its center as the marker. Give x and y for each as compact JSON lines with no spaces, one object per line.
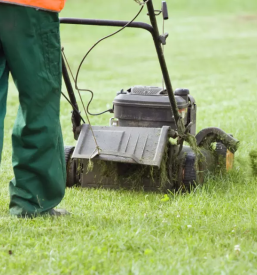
{"x":51,"y":5}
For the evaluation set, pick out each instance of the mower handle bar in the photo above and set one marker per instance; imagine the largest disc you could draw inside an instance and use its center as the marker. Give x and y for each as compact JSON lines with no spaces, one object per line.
{"x":158,"y":41}
{"x":107,"y":23}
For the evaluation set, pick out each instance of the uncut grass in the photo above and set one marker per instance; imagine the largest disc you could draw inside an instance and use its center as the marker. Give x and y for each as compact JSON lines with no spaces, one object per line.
{"x":212,"y":51}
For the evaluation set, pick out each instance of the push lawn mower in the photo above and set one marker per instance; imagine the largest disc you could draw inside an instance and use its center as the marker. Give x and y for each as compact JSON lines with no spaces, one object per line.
{"x":144,"y":145}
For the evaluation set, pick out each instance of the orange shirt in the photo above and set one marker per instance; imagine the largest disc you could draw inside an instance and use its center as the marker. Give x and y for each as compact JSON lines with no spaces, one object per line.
{"x":51,"y":5}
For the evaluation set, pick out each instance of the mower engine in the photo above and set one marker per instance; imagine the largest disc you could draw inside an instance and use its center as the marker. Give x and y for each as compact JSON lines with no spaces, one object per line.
{"x":144,"y":106}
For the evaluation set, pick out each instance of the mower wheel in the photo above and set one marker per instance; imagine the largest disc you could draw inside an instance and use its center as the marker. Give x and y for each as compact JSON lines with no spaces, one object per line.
{"x":221,"y":149}
{"x":226,"y":155}
{"x":189,"y":173}
{"x":71,"y":166}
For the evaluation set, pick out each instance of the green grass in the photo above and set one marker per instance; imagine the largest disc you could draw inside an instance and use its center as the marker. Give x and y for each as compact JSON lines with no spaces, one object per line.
{"x":212,"y":51}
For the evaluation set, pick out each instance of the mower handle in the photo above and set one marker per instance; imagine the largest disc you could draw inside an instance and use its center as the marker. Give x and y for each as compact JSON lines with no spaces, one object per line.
{"x":158,"y":41}
{"x":107,"y":23}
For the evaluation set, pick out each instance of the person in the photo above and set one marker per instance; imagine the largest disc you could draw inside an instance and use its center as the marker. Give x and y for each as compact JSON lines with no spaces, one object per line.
{"x":30,"y":50}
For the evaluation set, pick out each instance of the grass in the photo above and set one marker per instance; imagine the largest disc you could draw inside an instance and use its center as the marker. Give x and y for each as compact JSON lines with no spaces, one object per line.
{"x":212,"y":51}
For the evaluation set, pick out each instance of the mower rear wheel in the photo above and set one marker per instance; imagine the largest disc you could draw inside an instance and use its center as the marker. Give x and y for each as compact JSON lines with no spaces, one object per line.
{"x":221,"y":149}
{"x":227,"y":156}
{"x":71,"y":166}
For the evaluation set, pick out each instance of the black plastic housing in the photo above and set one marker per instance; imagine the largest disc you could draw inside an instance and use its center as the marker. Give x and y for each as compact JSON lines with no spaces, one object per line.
{"x":143,"y":106}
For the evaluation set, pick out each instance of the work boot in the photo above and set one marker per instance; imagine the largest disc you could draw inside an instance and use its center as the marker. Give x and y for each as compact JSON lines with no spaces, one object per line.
{"x":53,"y":213}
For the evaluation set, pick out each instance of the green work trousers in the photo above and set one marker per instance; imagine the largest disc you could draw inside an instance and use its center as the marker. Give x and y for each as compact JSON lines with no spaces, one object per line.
{"x":30,"y":51}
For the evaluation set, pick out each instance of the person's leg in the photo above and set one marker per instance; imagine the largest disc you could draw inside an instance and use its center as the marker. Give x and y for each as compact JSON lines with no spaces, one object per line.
{"x":4,"y":73}
{"x":31,"y":42}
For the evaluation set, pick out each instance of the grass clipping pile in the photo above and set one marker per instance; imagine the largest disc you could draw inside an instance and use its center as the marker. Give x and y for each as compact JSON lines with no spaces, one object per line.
{"x":130,"y":176}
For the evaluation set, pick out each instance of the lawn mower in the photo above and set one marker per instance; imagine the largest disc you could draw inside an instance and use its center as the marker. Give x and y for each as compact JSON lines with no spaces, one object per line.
{"x":151,"y":141}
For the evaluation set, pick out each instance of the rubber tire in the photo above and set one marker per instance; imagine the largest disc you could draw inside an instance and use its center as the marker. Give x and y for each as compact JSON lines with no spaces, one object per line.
{"x":71,"y":175}
{"x":221,"y":149}
{"x":68,"y":150}
{"x":224,"y":153}
{"x":189,"y":175}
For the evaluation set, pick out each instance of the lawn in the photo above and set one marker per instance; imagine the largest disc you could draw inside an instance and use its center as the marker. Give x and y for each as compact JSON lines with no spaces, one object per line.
{"x":212,"y":50}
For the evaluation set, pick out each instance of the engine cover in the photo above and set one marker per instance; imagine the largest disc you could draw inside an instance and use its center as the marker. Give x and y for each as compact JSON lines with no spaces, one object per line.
{"x":144,"y":106}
